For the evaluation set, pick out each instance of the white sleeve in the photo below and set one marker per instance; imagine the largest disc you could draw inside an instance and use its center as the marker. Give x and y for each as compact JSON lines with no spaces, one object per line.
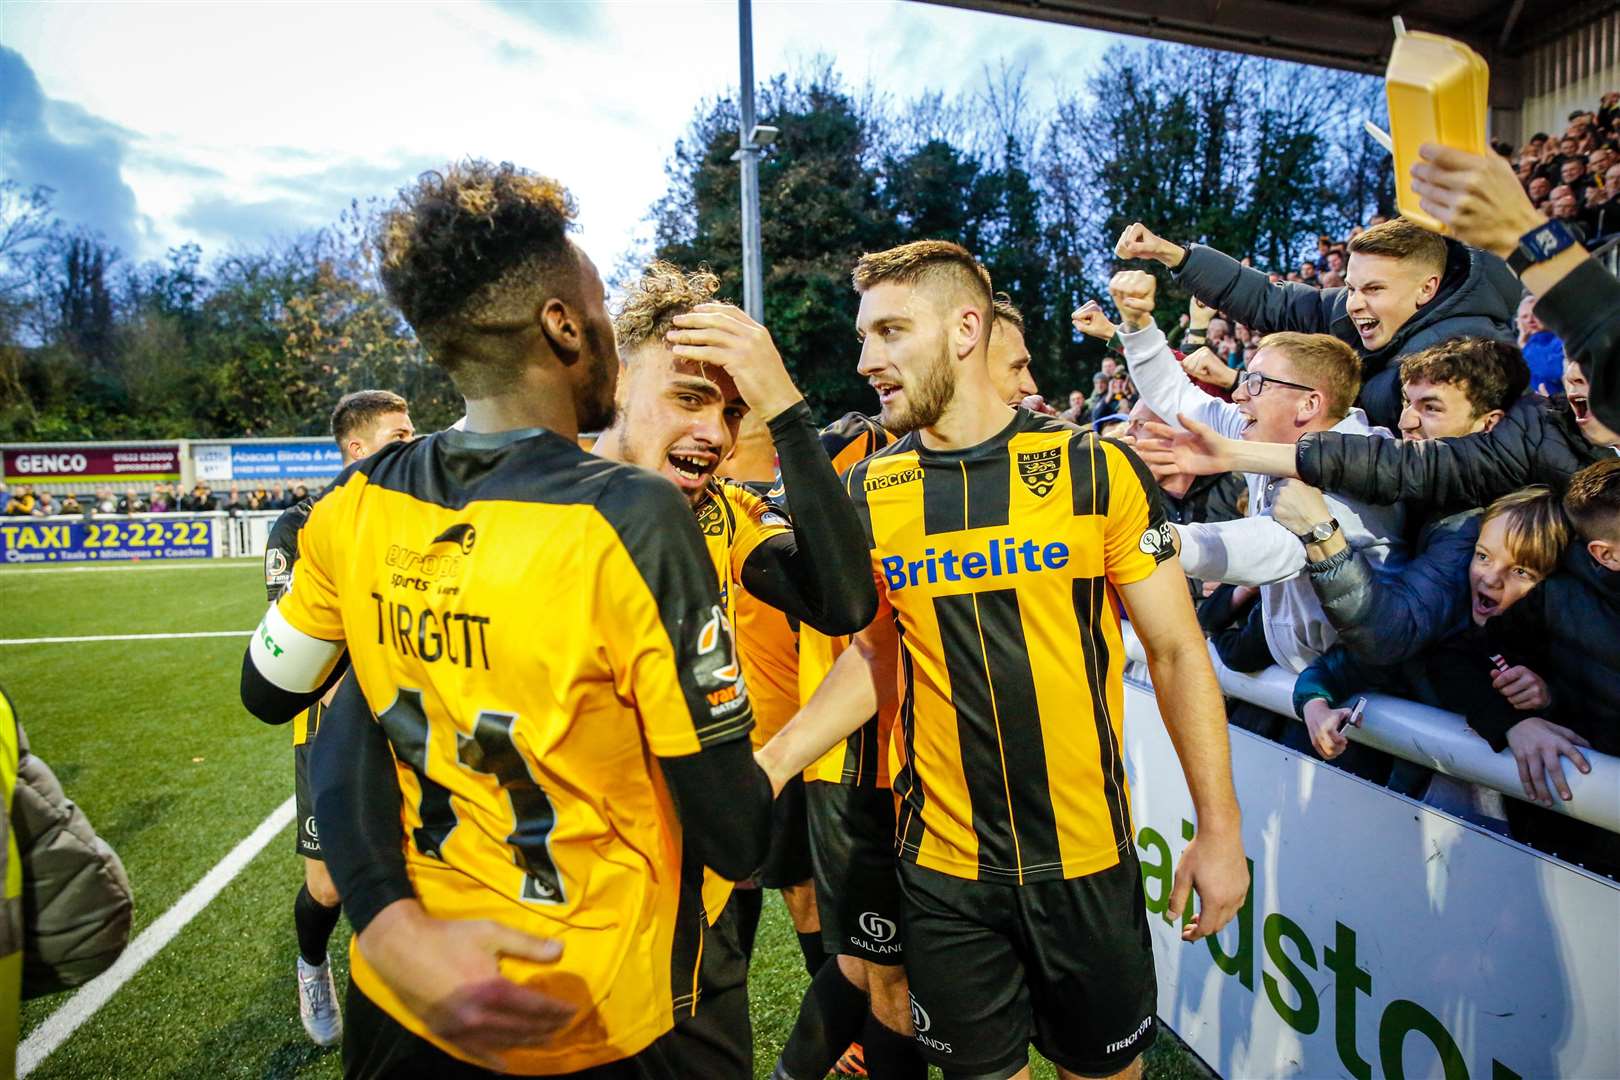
{"x":1250,"y":551}
{"x":1167,"y":389}
{"x":290,"y":658}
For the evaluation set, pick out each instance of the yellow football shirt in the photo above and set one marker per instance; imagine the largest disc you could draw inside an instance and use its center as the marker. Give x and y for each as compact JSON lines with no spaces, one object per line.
{"x":532,"y":626}
{"x":997,"y":564}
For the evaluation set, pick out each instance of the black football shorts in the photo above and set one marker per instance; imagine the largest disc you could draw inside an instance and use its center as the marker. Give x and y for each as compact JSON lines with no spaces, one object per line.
{"x":305,"y":836}
{"x":1066,"y":965}
{"x":852,"y":849}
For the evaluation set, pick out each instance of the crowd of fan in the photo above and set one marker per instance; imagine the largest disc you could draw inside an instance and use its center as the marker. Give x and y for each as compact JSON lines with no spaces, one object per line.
{"x":1396,"y":487}
{"x":1575,"y":177}
{"x":26,"y":500}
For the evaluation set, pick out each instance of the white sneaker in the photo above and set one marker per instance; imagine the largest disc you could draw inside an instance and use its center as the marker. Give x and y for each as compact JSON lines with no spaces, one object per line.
{"x":318,"y":1004}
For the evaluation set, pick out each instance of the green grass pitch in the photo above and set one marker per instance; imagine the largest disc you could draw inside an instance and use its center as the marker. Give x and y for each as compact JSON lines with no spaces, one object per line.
{"x":149,"y":737}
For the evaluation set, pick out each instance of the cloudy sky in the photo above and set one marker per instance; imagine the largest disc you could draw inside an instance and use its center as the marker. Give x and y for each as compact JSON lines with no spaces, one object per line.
{"x":227,"y":123}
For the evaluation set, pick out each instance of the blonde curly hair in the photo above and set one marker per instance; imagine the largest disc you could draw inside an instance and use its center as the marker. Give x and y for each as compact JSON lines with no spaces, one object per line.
{"x":662,"y":292}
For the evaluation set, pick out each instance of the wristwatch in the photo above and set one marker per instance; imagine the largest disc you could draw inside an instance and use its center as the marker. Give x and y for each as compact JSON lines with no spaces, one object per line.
{"x":1541,"y":244}
{"x":1320,"y":532}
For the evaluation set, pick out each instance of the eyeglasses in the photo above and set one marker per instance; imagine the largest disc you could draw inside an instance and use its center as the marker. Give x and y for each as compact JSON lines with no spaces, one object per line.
{"x":1254,"y":382}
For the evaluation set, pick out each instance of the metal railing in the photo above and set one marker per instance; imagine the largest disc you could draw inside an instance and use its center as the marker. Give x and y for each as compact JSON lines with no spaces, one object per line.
{"x":1609,"y":256}
{"x":1430,"y":737}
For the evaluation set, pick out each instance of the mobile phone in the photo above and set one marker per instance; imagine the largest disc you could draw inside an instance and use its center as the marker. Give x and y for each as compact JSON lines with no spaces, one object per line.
{"x":1499,"y":662}
{"x":1354,"y":715}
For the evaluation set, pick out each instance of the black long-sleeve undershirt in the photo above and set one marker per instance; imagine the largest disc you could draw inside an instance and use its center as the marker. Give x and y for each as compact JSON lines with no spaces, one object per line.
{"x":820,"y":574}
{"x":270,"y":703}
{"x":723,"y":798}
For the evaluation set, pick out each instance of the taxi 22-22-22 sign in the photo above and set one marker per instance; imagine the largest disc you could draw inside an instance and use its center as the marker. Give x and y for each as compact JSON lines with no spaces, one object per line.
{"x":97,"y":541}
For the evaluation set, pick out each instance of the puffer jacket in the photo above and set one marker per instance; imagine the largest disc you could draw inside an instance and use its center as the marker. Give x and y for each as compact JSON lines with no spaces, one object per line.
{"x":1388,"y":618}
{"x":1478,"y":297}
{"x":1537,"y":442}
{"x":74,"y":889}
{"x":1567,"y":630}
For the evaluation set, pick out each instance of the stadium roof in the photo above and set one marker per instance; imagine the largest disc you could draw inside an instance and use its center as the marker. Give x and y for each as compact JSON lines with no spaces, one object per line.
{"x":1353,"y":34}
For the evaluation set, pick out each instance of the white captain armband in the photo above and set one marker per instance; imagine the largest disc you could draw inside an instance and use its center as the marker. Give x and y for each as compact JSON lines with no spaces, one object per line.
{"x":289,"y":658}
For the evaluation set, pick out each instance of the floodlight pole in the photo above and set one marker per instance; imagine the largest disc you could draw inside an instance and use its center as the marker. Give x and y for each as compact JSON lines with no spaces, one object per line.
{"x":748,"y":152}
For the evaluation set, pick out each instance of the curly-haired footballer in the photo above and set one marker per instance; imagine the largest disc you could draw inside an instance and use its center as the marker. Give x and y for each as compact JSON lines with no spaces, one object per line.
{"x":692,"y":368}
{"x":542,"y":671}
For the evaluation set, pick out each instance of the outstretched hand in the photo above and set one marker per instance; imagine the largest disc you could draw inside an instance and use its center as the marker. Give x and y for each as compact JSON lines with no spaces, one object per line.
{"x":1195,"y":448}
{"x":1478,"y":197}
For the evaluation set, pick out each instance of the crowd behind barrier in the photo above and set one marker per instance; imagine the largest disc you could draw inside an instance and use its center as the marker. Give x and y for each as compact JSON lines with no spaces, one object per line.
{"x":1466,"y":588}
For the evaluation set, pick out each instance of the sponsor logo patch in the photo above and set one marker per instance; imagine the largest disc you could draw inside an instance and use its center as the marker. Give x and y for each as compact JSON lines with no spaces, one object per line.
{"x":892,"y":479}
{"x":1157,"y":541}
{"x":462,"y":535}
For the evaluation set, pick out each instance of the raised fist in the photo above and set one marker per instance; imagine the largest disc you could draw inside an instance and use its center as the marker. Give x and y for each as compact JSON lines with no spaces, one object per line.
{"x":1139,"y":242}
{"x":1090,"y":319}
{"x":1133,"y":292}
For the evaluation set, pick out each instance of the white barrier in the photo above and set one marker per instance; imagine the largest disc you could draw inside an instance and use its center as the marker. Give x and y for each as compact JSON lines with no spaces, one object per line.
{"x":1381,"y":937}
{"x":1439,"y":740}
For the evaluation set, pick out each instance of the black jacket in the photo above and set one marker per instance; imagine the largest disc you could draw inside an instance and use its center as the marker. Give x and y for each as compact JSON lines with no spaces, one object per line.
{"x":1584,"y":311}
{"x":1478,"y":297}
{"x":1567,"y":630}
{"x":1208,"y":499}
{"x":1537,"y":442}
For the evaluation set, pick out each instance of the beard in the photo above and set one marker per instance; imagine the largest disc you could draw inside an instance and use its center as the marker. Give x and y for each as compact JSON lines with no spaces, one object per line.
{"x":593,"y":400}
{"x":924,"y":404}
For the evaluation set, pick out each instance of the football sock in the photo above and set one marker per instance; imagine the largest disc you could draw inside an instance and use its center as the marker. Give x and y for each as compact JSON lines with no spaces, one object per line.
{"x":749,"y":903}
{"x":314,"y":921}
{"x":814,"y":954}
{"x":830,"y":1018}
{"x":889,"y":1054}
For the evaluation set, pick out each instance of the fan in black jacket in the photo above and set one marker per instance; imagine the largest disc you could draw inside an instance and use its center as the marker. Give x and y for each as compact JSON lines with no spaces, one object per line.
{"x":1539,"y":441}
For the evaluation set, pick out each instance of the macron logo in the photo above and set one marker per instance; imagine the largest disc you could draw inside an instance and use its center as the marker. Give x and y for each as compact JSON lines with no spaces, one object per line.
{"x":1001,"y":558}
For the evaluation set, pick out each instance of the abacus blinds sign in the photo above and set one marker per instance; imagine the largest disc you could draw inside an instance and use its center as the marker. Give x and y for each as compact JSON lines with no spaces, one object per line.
{"x":1380,"y":937}
{"x":99,"y":464}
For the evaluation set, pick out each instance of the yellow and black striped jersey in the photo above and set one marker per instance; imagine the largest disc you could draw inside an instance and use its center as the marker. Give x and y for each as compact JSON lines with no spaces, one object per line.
{"x":533,"y":626}
{"x":735,"y":521}
{"x":768,"y":648}
{"x":996,"y":564}
{"x":867,"y":757}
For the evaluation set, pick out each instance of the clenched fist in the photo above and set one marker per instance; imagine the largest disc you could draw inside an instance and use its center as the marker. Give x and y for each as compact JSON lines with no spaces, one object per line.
{"x":1091,"y":321}
{"x":1133,"y":292}
{"x":1140,"y":242}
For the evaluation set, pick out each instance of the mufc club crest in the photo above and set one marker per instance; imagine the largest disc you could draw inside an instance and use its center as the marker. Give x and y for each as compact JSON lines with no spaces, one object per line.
{"x":710,"y":519}
{"x":1039,"y":469}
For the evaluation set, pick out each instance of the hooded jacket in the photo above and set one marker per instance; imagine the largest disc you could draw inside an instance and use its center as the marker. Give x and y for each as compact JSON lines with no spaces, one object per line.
{"x":1257,"y":550}
{"x":1567,"y":630}
{"x":1478,"y":297}
{"x":1537,"y":442}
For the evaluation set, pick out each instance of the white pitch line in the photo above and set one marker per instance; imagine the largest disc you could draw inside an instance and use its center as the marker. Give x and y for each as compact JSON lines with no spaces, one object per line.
{"x":122,"y":637}
{"x":56,"y":1028}
{"x":144,"y":565}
